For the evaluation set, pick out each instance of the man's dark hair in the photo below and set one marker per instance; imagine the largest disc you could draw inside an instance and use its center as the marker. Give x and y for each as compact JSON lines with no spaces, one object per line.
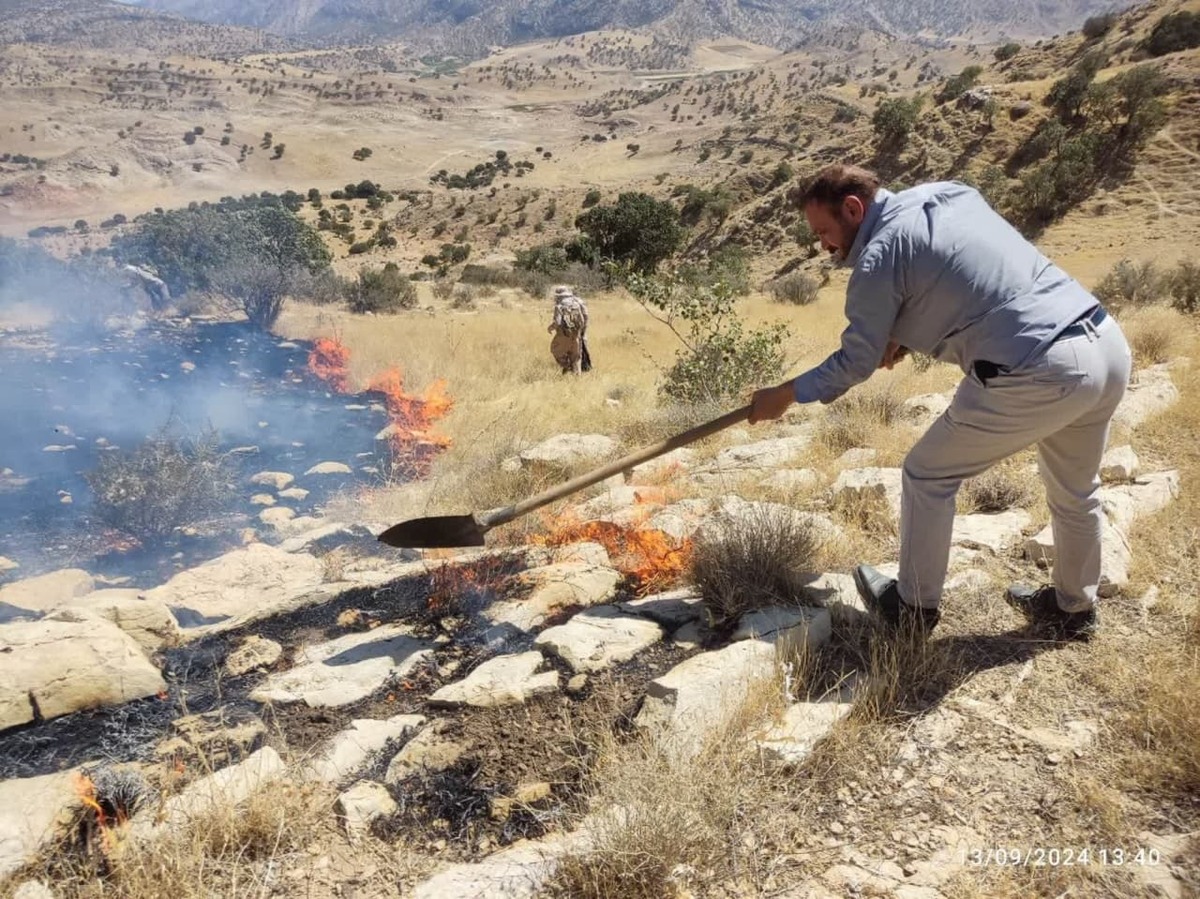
{"x":834,"y":183}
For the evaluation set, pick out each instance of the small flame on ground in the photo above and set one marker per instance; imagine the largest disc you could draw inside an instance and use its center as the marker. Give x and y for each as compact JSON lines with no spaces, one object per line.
{"x":329,"y":361}
{"x":86,"y":790}
{"x":453,"y":589}
{"x":655,"y":559}
{"x":413,"y":439}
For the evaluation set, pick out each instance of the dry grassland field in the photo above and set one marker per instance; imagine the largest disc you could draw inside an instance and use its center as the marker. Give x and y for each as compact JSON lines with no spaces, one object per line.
{"x":264,"y":294}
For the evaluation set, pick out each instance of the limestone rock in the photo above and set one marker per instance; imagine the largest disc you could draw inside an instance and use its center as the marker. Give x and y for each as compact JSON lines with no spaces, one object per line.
{"x":149,"y":622}
{"x":252,"y":654}
{"x":524,"y":795}
{"x":568,"y":451}
{"x":1119,"y":465}
{"x":615,"y":499}
{"x":1151,"y":392}
{"x":599,"y":638}
{"x":554,"y":587}
{"x":329,"y":468}
{"x":804,"y":724}
{"x":1150,"y":493}
{"x":518,"y":871}
{"x":776,"y":452}
{"x":7,"y":564}
{"x":862,"y":486}
{"x":293,"y":493}
{"x":428,"y":752}
{"x":279,"y":480}
{"x":33,"y":889}
{"x":48,"y":591}
{"x":262,"y":499}
{"x":276,"y":516}
{"x":585,"y":553}
{"x":791,"y":628}
{"x":216,"y":738}
{"x":858,"y":457}
{"x":363,"y":804}
{"x":224,"y":789}
{"x":31,"y":816}
{"x":345,"y":670}
{"x":239,"y":587}
{"x":504,"y":680}
{"x":993,"y":531}
{"x":696,"y":698}
{"x":1116,"y":556}
{"x":53,"y":667}
{"x":664,"y":467}
{"x":346,"y":754}
{"x":927,"y":408}
{"x":837,"y":593}
{"x":671,"y":609}
{"x":791,"y":480}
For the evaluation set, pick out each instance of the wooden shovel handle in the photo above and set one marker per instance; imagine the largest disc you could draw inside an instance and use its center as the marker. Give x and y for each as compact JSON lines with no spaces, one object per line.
{"x":503,"y":516}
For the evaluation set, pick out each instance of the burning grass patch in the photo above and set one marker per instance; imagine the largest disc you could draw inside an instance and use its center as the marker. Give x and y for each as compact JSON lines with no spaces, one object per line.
{"x":759,"y":559}
{"x":653,"y":560}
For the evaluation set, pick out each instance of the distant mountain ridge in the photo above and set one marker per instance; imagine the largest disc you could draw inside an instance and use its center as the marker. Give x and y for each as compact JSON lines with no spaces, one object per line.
{"x":473,"y":25}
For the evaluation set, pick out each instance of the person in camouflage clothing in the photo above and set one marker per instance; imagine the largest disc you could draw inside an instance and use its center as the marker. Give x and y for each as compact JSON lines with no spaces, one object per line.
{"x":569,"y":327}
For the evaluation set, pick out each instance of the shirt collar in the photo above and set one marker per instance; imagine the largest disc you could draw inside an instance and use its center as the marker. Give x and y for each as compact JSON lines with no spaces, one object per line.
{"x":867,"y":229}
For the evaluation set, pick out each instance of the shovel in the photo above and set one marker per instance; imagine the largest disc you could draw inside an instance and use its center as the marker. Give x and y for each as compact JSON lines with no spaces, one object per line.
{"x":444,"y":531}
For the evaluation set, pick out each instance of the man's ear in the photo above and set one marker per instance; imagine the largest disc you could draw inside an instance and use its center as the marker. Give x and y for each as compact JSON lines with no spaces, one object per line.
{"x":854,"y":209}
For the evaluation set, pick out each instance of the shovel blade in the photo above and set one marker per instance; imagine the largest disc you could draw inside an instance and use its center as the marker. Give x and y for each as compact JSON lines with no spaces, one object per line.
{"x":437,"y":532}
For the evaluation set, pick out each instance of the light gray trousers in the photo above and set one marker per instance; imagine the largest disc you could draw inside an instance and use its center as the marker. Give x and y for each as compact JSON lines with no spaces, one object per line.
{"x":1064,"y":403}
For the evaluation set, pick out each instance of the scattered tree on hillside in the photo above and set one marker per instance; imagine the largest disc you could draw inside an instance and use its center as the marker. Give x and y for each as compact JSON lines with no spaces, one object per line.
{"x":637,"y":230}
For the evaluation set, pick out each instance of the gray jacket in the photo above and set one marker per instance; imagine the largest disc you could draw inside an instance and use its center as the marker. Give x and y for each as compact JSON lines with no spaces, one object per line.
{"x":937,"y":270}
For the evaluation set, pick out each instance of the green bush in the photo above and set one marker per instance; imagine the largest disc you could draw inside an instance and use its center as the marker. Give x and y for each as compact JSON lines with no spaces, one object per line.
{"x":1007,"y":51}
{"x":894,"y":120}
{"x":591,"y":198}
{"x":382,"y":290}
{"x":719,"y":360}
{"x":545,"y":258}
{"x":163,"y":484}
{"x":959,"y":84}
{"x":637,"y":230}
{"x":1095,"y":27}
{"x":1174,"y":32}
{"x":252,"y":250}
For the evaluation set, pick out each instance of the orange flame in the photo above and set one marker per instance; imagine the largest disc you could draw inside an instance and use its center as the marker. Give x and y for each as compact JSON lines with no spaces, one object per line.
{"x":654,"y":558}
{"x":414,"y":442}
{"x":86,"y":790}
{"x":328,"y":360}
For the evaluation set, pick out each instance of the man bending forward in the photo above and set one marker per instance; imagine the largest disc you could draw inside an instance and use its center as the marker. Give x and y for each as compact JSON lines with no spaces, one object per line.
{"x":936,"y":270}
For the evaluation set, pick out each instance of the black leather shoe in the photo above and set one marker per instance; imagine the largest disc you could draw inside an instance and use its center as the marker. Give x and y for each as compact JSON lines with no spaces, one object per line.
{"x":1040,"y":607}
{"x":881,"y":595}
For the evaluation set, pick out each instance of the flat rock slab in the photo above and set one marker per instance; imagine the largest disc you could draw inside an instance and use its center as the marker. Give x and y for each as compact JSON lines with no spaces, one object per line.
{"x":672,"y":609}
{"x":1119,"y":465}
{"x":346,"y":754}
{"x":252,"y":654}
{"x":664,"y":467}
{"x":599,"y":638}
{"x":837,"y":593}
{"x":792,"y":629}
{"x":426,"y":753}
{"x":776,"y":452}
{"x":518,"y":871}
{"x":222,"y":790}
{"x":1150,"y":493}
{"x":345,"y":670}
{"x":245,"y":585}
{"x":149,"y":622}
{"x":926,"y":408}
{"x":551,"y":588}
{"x":1116,"y":556}
{"x":48,"y":591}
{"x":1151,"y":392}
{"x":279,"y":480}
{"x":568,"y":450}
{"x":696,"y":698}
{"x":995,"y":532}
{"x":505,"y":680}
{"x":859,"y":486}
{"x":53,"y":667}
{"x":791,"y":740}
{"x":791,"y":480}
{"x":364,"y":803}
{"x":30,"y":812}
{"x":329,"y":468}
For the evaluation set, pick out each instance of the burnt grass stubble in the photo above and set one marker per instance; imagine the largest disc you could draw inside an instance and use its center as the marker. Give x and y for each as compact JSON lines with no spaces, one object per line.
{"x":549,"y":739}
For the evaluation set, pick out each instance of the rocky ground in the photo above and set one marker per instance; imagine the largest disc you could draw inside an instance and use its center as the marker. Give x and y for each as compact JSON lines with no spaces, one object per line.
{"x":451,"y":701}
